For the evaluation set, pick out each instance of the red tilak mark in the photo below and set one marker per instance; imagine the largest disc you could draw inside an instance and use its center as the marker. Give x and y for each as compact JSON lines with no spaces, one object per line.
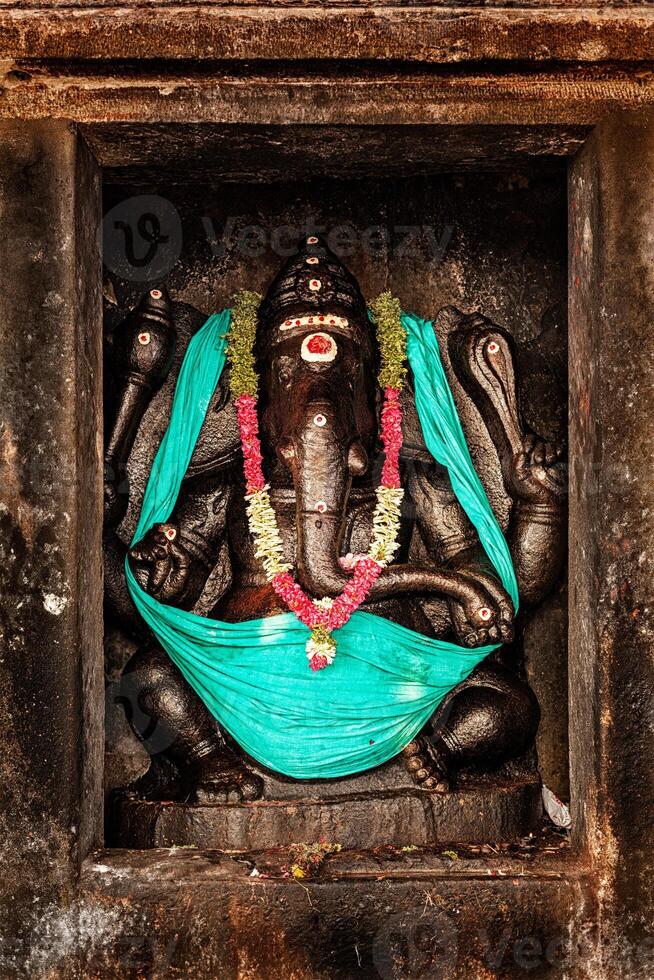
{"x":319,"y":345}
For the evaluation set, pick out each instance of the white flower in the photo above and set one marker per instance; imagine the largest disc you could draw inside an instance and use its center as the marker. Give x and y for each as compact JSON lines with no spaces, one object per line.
{"x":321,"y":647}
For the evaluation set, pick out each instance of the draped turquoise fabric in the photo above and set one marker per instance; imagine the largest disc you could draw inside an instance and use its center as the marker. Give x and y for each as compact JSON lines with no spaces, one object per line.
{"x":254,"y":677}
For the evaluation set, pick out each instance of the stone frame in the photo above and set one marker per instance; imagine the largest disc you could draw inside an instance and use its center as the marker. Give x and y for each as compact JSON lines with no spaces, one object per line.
{"x":558,"y":80}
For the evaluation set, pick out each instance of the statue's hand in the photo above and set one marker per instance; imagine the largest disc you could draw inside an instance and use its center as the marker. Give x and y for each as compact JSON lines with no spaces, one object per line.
{"x":536,"y":474}
{"x":485,"y":616}
{"x":167,"y":561}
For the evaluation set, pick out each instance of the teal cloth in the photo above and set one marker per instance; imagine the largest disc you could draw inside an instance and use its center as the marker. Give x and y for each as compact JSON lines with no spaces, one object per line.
{"x":386,"y":680}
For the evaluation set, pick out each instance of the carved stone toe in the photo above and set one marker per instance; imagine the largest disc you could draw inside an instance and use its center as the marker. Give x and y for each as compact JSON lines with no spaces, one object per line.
{"x":234,"y":785}
{"x":428,"y":770}
{"x":251,"y":787}
{"x":436,"y":785}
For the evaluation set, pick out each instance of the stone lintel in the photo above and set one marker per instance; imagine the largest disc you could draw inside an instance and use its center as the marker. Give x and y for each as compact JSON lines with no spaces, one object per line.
{"x":425,"y":33}
{"x":169,"y":93}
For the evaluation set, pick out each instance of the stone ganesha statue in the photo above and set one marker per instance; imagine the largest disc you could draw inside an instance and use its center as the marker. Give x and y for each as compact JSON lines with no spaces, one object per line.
{"x":322,"y":484}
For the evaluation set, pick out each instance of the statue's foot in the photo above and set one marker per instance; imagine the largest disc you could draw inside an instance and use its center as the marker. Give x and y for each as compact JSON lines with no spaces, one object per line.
{"x":160,"y":782}
{"x":427,"y":765}
{"x":224,"y":778}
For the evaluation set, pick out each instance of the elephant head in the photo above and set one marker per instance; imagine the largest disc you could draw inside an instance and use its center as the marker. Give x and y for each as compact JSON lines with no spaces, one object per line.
{"x":317,"y":364}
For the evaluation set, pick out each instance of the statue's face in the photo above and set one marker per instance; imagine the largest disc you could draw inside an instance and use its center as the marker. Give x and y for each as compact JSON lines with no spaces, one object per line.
{"x":311,"y":367}
{"x":318,"y":417}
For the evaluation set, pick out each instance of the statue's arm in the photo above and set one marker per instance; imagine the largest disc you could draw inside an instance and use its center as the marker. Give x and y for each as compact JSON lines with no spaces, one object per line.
{"x":141,"y":355}
{"x":454,"y":555}
{"x":532,"y":470}
{"x":481,"y":611}
{"x":174,"y":560}
{"x":536,"y":533}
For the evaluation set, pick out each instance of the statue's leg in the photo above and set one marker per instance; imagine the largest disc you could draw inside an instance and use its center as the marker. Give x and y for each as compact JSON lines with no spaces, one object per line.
{"x":486,"y":720}
{"x":176,"y":728}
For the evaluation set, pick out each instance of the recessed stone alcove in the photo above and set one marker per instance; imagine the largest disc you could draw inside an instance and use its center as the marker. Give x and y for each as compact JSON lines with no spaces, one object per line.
{"x":492,"y":240}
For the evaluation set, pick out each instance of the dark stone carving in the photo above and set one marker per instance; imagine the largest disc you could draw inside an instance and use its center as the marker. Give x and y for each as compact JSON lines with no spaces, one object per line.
{"x":142,"y":355}
{"x":438,"y":581}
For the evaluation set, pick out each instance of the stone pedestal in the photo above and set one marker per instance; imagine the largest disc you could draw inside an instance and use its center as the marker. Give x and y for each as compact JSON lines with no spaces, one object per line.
{"x":376,"y":916}
{"x":376,"y":809}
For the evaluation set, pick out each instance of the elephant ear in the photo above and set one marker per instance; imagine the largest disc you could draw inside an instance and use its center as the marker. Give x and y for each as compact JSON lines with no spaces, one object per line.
{"x":413,"y":447}
{"x":450,"y":326}
{"x":218,"y":445}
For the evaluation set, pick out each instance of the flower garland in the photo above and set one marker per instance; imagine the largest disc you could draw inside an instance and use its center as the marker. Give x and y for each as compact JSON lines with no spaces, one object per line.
{"x":321,"y":616}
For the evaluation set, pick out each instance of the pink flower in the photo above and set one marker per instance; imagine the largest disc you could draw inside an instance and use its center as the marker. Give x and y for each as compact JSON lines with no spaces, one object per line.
{"x":248,"y":424}
{"x":297,"y":600}
{"x":356,"y":591}
{"x":391,"y":435}
{"x":318,"y":662}
{"x":349,"y":561}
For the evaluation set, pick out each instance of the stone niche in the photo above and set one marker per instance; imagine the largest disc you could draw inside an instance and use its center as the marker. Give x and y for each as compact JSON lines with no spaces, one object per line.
{"x":491,"y":239}
{"x":516,"y":142}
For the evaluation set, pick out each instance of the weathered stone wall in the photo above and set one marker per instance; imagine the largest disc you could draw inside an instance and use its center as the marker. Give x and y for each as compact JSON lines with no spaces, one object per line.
{"x":381,"y":916}
{"x":612,"y":526}
{"x":50,"y":519}
{"x":442,"y":32}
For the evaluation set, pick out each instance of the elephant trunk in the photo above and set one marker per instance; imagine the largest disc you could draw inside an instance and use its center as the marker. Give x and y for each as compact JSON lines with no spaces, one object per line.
{"x":323,"y":457}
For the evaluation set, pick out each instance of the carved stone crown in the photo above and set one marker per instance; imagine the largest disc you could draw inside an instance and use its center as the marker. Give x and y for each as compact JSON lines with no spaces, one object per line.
{"x":313,"y":285}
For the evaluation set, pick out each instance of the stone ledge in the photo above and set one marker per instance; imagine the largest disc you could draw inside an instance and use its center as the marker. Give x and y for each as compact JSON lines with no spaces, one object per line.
{"x":392,"y":915}
{"x":266,"y":32}
{"x":544,"y":855}
{"x":178,"y":94}
{"x":403,"y":817}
